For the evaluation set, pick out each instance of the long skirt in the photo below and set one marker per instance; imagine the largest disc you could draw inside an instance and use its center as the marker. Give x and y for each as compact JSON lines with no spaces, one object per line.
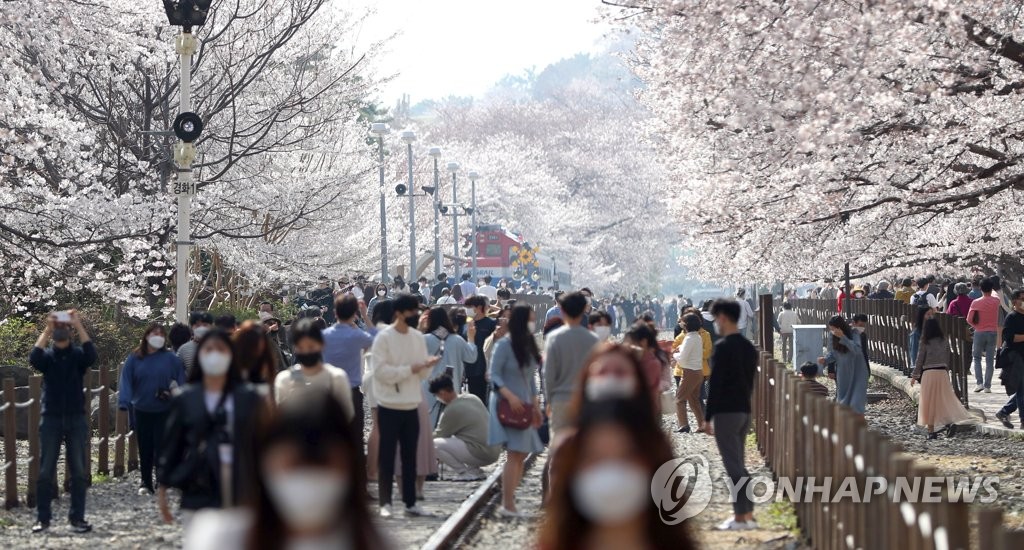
{"x":937,"y":404}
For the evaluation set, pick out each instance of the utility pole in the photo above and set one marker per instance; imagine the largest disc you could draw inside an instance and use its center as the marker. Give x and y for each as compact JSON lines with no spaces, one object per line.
{"x":184,"y":154}
{"x":453,"y":167}
{"x":436,"y":153}
{"x":379,"y":129}
{"x":409,"y":137}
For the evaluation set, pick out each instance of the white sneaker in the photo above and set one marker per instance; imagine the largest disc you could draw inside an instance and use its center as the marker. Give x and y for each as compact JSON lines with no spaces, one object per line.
{"x":144,"y":492}
{"x":512,"y":514}
{"x":417,"y":511}
{"x":732,"y":525}
{"x":988,"y":390}
{"x":978,"y":389}
{"x":385,"y":511}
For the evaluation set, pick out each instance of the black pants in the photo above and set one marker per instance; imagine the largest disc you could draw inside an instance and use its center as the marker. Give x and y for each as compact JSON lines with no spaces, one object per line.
{"x":358,"y":425}
{"x":397,"y":428}
{"x":149,"y":430}
{"x":477,"y":384}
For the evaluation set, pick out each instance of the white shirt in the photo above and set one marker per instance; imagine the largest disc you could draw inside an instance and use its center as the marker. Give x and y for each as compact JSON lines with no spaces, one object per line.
{"x":932,"y":301}
{"x":691,"y":353}
{"x":395,"y":386}
{"x":446,"y":300}
{"x":489,"y":291}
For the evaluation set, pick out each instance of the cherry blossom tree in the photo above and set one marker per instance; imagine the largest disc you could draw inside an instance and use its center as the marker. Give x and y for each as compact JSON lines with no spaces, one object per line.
{"x":805,"y":134}
{"x":83,"y":210}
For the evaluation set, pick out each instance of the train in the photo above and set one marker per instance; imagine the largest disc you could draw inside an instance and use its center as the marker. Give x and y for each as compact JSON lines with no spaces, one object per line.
{"x":502,"y":253}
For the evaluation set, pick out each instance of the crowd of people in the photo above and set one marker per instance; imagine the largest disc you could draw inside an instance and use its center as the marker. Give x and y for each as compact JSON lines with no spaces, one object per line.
{"x":996,"y":320}
{"x":256,"y":429}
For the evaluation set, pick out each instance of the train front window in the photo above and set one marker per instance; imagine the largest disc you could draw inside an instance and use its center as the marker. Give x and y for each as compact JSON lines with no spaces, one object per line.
{"x":492,"y":250}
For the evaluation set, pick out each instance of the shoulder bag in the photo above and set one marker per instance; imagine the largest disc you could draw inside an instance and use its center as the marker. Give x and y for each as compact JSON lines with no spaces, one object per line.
{"x":511,"y":419}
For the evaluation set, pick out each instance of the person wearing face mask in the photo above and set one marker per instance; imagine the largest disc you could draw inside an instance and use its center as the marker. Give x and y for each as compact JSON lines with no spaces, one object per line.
{"x":381,"y":293}
{"x":150,"y":375}
{"x":476,"y":370}
{"x":1013,"y":340}
{"x":208,"y":437}
{"x":63,"y":366}
{"x":644,"y":339}
{"x":400,"y":363}
{"x":691,"y":361}
{"x":601,"y":325}
{"x":443,"y":339}
{"x":513,"y":375}
{"x":310,"y":374}
{"x":733,"y":365}
{"x":201,"y":322}
{"x":601,"y":486}
{"x":308,"y":494}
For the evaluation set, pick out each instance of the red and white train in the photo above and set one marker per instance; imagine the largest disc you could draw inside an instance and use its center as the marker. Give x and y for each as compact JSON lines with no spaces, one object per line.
{"x":500,"y":255}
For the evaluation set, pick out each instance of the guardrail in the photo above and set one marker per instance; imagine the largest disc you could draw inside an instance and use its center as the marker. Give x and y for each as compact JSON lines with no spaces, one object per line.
{"x":889,"y":327}
{"x":803,"y":435}
{"x":96,"y":383}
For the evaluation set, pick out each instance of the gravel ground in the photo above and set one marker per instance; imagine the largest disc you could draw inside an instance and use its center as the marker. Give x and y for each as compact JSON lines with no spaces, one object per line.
{"x":970,"y":454}
{"x":496,"y":532}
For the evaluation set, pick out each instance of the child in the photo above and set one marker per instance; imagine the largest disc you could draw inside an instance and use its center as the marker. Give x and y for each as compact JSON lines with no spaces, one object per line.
{"x":809,"y":372}
{"x":860,"y":325}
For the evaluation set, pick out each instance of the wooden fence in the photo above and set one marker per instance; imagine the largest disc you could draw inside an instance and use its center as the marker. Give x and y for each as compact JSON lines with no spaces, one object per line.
{"x":803,"y":435}
{"x":97,"y":384}
{"x":889,"y":327}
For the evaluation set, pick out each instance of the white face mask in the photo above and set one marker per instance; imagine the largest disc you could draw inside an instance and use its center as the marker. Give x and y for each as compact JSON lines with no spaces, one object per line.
{"x":381,"y":292}
{"x":307,"y":498}
{"x":155,"y":341}
{"x":215,"y":363}
{"x":610,"y":387}
{"x":602,"y":332}
{"x":612,"y":492}
{"x":201,"y":331}
{"x":531,"y":326}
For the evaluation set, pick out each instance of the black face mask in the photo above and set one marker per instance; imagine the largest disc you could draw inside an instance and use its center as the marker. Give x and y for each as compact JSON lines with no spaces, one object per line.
{"x":61,"y":334}
{"x":309,"y":359}
{"x":412,"y":320}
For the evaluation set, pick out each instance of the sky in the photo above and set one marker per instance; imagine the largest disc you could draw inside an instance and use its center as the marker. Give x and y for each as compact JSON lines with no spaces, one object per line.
{"x":462,"y":47}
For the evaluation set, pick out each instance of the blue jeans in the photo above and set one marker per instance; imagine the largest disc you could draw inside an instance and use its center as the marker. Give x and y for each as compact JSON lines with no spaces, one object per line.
{"x":54,"y":429}
{"x":915,"y":342}
{"x":984,"y":343}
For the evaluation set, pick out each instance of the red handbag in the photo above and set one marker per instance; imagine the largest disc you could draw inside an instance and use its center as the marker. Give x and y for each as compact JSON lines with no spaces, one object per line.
{"x":511,"y":419}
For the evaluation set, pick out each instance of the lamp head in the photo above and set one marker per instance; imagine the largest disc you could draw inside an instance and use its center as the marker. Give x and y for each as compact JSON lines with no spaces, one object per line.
{"x":442,"y":208}
{"x":435,"y":152}
{"x":408,"y":136}
{"x":453,"y":167}
{"x":378,"y":128}
{"x":428,"y":189}
{"x":473,"y":176}
{"x":468,"y":210}
{"x":401,"y":189}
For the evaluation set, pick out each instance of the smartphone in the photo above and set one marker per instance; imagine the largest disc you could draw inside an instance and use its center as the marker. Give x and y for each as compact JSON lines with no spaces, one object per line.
{"x":62,"y":316}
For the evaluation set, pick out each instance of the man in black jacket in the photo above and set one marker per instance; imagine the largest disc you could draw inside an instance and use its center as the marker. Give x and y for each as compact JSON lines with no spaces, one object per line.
{"x":733,"y":364}
{"x":63,"y":366}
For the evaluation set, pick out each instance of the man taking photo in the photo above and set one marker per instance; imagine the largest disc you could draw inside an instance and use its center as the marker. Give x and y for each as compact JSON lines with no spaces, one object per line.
{"x":63,"y":366}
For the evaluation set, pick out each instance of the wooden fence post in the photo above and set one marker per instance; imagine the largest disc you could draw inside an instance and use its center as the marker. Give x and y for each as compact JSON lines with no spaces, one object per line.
{"x":990,"y":529}
{"x":10,"y":444}
{"x":103,"y":419}
{"x":121,"y":423}
{"x":35,"y":393}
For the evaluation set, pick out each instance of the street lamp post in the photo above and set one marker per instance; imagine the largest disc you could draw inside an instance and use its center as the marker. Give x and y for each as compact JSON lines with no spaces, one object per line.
{"x":453,"y":167}
{"x":187,"y":126}
{"x":436,"y":153}
{"x":409,"y":137}
{"x":473,"y":176}
{"x":379,"y":129}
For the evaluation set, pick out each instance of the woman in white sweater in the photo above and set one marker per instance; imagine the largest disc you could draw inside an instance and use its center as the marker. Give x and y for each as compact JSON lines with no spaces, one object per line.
{"x":400,"y":364}
{"x":691,"y":359}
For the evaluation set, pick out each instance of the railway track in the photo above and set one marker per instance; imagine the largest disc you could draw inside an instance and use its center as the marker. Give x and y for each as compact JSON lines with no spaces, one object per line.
{"x":464,"y":522}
